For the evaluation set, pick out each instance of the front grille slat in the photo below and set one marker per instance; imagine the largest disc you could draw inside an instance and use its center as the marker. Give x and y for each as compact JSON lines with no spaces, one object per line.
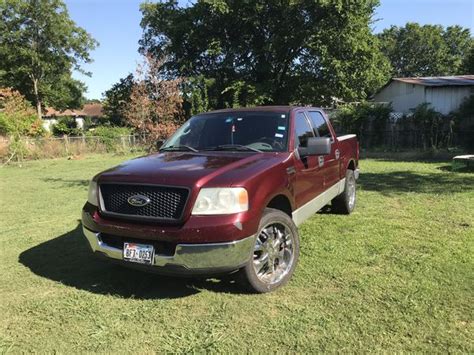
{"x":166,"y":203}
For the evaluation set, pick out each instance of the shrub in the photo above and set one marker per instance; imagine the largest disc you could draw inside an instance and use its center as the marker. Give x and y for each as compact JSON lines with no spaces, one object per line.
{"x":17,"y":116}
{"x":429,"y":122}
{"x":368,"y":120}
{"x":463,"y":120}
{"x":109,"y":136}
{"x":66,"y":126}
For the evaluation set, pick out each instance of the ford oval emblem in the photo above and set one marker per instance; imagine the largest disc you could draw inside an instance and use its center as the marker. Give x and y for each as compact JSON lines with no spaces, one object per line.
{"x":138,"y":200}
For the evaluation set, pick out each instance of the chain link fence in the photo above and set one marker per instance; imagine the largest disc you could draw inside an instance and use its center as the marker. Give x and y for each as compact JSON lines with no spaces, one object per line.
{"x":414,"y":139}
{"x":399,"y":132}
{"x":53,"y":147}
{"x":395,"y":139}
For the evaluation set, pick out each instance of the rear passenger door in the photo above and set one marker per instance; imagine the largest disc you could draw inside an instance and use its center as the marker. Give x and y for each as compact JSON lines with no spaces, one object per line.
{"x":328,"y":163}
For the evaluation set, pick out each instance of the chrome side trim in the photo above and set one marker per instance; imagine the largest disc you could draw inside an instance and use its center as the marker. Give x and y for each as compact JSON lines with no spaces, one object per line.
{"x":346,"y":136}
{"x":310,"y":208}
{"x":190,"y":256}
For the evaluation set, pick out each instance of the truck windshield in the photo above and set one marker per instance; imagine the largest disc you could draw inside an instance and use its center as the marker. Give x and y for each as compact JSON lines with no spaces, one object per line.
{"x":245,"y":131}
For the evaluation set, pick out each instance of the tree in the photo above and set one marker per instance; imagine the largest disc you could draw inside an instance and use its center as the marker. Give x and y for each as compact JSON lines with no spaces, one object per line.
{"x":155,"y":106}
{"x":428,"y":50}
{"x":262,"y":52}
{"x":196,"y":95}
{"x":116,"y":100}
{"x":468,"y":64}
{"x":39,"y":47}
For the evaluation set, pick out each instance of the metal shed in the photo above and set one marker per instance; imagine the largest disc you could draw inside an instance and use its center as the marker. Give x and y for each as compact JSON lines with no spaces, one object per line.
{"x":444,"y":93}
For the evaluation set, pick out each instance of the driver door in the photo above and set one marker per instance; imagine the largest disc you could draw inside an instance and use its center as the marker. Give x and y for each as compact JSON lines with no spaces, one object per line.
{"x":309,"y":181}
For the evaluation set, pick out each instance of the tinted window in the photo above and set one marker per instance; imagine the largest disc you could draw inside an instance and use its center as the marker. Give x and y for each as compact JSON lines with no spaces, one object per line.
{"x":302,"y":130}
{"x":266,"y":131}
{"x":320,"y":125}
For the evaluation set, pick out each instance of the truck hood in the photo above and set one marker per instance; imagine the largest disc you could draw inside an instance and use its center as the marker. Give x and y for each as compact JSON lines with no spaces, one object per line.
{"x":189,"y":168}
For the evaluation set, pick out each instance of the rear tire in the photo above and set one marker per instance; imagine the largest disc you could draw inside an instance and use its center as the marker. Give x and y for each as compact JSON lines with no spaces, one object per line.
{"x":346,"y":201}
{"x":275,"y":253}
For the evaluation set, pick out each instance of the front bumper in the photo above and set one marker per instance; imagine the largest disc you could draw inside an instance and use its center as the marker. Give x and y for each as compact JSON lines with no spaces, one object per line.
{"x":188,"y":259}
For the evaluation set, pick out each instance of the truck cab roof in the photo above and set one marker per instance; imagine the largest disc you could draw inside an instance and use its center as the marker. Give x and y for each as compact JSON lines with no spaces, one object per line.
{"x":275,"y":108}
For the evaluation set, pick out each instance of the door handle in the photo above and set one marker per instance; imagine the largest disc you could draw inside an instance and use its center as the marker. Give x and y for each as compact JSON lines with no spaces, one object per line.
{"x":320,"y":160}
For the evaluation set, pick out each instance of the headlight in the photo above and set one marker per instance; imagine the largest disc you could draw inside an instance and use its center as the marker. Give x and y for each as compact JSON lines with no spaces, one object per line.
{"x":92,"y":196}
{"x":221,"y":201}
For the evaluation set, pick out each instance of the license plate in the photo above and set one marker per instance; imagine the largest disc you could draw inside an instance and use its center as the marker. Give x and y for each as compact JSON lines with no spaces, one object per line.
{"x":138,"y":253}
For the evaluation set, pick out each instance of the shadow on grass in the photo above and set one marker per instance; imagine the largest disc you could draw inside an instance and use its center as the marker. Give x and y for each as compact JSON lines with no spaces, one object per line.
{"x":467,"y":169}
{"x":68,"y":259}
{"x":68,"y":183}
{"x":406,"y":181}
{"x":410,"y":156}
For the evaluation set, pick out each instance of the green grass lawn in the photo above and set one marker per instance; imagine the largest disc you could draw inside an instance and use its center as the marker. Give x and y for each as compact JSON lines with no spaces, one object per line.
{"x":395,"y":275}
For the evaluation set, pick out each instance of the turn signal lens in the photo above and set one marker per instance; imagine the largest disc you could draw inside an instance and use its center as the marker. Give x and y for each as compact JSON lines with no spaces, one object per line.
{"x":92,"y":195}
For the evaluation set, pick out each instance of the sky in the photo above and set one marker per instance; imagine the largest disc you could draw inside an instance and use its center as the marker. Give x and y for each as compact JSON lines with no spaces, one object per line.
{"x":116,"y":25}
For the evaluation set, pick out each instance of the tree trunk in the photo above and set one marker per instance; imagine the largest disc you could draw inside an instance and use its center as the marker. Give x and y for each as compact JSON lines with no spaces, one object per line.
{"x":37,"y":98}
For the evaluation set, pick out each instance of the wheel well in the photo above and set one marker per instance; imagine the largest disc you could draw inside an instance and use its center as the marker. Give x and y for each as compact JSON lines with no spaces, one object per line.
{"x":281,"y":203}
{"x":351,"y":165}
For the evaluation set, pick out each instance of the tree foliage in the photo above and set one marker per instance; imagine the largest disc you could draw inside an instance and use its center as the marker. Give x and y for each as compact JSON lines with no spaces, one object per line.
{"x":39,"y":47}
{"x":468,"y":64}
{"x":196,"y":97}
{"x":262,"y":52}
{"x":116,"y":100}
{"x":428,"y":50}
{"x":155,"y":106}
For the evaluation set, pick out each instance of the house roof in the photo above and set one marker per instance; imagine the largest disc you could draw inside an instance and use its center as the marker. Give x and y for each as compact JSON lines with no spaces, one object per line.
{"x":94,"y":110}
{"x":53,"y":112}
{"x":460,"y":80}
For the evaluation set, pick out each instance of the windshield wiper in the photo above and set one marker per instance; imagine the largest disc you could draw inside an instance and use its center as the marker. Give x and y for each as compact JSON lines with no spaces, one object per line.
{"x":234,"y":147}
{"x":179,"y":148}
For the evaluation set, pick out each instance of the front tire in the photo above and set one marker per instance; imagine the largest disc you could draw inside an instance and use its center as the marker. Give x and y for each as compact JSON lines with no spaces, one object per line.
{"x":275,"y":254}
{"x":346,"y":201}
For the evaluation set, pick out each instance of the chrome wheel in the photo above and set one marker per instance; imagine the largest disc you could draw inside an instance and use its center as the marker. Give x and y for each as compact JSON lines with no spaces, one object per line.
{"x":351,"y":192}
{"x":273,"y":254}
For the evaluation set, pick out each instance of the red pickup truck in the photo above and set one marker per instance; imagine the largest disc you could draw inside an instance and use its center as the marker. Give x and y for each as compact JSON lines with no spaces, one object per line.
{"x":224,"y":194}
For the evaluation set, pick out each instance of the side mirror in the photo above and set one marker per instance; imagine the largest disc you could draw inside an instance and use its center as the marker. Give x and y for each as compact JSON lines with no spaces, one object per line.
{"x":316,"y":146}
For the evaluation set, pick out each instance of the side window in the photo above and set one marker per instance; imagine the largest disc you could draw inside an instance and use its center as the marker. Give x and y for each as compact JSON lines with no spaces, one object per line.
{"x":303,"y":130}
{"x":320,"y":125}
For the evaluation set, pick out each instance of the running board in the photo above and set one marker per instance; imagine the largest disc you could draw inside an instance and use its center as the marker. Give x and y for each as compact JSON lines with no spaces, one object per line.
{"x":310,"y":208}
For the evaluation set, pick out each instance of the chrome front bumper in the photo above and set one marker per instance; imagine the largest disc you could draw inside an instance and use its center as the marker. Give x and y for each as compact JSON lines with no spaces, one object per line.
{"x":193,"y":257}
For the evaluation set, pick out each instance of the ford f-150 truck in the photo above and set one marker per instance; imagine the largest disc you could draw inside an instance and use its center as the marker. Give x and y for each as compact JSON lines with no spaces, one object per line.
{"x":224,"y":194}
